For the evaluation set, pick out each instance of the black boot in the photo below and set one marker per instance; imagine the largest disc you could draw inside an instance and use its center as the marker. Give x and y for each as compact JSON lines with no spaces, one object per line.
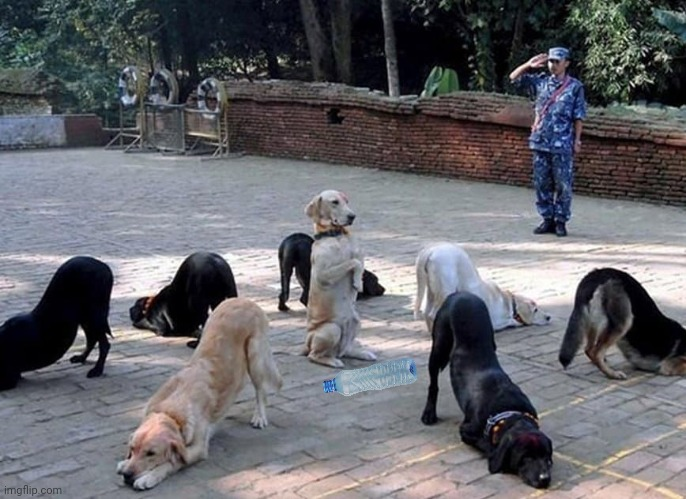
{"x":560,"y":229}
{"x":547,"y":227}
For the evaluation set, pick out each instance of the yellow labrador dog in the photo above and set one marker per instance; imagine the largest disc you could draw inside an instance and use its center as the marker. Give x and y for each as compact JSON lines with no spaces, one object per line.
{"x":444,"y":268}
{"x":179,"y":418}
{"x":336,"y":278}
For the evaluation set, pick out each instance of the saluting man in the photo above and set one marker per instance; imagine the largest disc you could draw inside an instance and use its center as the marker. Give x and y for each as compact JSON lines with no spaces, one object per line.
{"x":555,"y":135}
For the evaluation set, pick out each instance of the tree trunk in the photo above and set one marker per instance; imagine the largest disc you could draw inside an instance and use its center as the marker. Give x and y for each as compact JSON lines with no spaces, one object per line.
{"x":189,"y":45}
{"x":266,"y":38}
{"x":317,"y":42}
{"x":517,"y":36}
{"x":164,"y":51}
{"x":389,"y":48}
{"x":341,"y":40}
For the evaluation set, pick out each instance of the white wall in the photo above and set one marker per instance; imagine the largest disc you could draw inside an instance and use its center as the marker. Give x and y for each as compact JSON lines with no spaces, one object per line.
{"x":32,"y":131}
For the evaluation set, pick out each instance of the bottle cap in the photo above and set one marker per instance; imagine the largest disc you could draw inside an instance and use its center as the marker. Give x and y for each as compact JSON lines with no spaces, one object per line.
{"x":330,"y":385}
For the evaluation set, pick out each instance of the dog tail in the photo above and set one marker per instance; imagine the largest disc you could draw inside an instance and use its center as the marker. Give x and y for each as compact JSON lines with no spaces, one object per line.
{"x":261,"y":364}
{"x":422,"y":260}
{"x":572,"y":338}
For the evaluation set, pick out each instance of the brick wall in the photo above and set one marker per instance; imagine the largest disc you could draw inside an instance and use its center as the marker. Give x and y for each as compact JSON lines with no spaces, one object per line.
{"x":84,"y":130}
{"x":468,"y":135}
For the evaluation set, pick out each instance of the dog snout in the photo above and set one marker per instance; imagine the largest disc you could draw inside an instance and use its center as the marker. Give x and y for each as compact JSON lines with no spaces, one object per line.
{"x":351,"y":218}
{"x":543,"y":480}
{"x":128,"y":477}
{"x":547,"y":318}
{"x":136,"y":313}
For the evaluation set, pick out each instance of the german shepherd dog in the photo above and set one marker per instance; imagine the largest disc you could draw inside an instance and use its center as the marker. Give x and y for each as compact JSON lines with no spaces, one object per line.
{"x":201,"y":283}
{"x":295,"y":253}
{"x":78,"y":295}
{"x":611,"y":307}
{"x":499,"y":419}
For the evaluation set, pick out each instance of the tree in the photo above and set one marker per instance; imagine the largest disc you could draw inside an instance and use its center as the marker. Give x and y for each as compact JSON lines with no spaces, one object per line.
{"x":317,"y":41}
{"x":390,"y":49}
{"x":625,"y":54}
{"x":497,"y":34}
{"x":341,"y":38}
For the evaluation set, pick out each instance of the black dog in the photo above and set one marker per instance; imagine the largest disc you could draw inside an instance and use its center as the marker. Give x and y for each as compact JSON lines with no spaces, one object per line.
{"x":611,"y":307}
{"x":294,"y":253}
{"x":202,"y":282}
{"x":498,"y":417}
{"x":78,"y":295}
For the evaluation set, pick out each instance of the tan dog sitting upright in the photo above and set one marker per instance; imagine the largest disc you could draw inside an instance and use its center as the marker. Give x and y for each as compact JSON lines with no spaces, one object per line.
{"x":337,"y":267}
{"x":178,"y":420}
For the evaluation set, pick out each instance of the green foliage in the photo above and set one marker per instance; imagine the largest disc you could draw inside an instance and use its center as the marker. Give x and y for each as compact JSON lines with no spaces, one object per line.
{"x":622,"y":50}
{"x":627,"y":55}
{"x":440,"y":81}
{"x":673,"y":21}
{"x":495,"y":33}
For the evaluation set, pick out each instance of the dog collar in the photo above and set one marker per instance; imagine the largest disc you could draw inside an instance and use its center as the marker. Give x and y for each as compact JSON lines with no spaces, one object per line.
{"x":494,"y":424}
{"x":515,"y":312}
{"x":328,"y":233}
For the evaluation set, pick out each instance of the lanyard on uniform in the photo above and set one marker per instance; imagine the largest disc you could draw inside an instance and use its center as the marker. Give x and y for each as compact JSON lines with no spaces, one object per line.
{"x":551,"y":100}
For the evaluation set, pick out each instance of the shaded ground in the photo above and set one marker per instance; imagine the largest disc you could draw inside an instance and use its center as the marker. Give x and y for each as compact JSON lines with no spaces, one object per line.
{"x":142,"y":214}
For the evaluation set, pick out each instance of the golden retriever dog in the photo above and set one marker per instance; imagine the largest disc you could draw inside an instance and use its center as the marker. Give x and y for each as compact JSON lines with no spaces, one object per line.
{"x":444,"y":268}
{"x":179,"y":418}
{"x":336,"y":278}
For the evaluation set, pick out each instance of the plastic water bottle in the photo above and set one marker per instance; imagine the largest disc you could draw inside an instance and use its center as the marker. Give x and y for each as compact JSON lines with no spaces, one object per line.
{"x":377,"y":377}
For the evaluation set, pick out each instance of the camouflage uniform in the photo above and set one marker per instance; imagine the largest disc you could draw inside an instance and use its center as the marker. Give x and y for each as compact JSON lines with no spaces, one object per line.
{"x":552,"y":142}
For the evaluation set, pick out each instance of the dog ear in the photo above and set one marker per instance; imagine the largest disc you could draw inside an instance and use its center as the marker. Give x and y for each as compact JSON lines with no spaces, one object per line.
{"x":177,"y":453}
{"x":312,"y":209}
{"x":525,"y":309}
{"x":498,"y":460}
{"x":548,"y":444}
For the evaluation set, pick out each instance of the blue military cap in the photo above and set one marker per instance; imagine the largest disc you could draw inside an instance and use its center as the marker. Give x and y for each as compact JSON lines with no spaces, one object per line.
{"x":558,"y":53}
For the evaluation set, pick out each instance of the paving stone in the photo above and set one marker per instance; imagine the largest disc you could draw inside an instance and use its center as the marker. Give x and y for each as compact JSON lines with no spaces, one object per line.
{"x":64,"y":466}
{"x":142,"y":214}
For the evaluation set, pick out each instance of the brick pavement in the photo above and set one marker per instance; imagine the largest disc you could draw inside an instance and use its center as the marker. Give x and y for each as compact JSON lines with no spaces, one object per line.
{"x":143,"y":213}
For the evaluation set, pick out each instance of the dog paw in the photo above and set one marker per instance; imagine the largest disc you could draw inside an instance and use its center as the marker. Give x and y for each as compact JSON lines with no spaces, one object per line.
{"x":95,"y":372}
{"x":77,"y":359}
{"x":120,"y":466}
{"x":362,"y":355}
{"x":146,"y":481}
{"x":258,"y":421}
{"x":618,"y":375}
{"x":335,"y":363}
{"x":327,"y":361}
{"x":429,"y":417}
{"x":369,"y":355}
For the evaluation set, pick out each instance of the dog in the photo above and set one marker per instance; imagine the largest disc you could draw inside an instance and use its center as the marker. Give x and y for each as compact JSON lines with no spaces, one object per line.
{"x":499,"y":419}
{"x":443,"y":268}
{"x":611,"y":307}
{"x":294,"y":253}
{"x":337,"y":268}
{"x":179,"y":418}
{"x":77,"y":295}
{"x":201,"y":283}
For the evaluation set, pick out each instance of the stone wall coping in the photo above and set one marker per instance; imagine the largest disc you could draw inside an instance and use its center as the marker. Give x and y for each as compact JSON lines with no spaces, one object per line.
{"x":485,"y":107}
